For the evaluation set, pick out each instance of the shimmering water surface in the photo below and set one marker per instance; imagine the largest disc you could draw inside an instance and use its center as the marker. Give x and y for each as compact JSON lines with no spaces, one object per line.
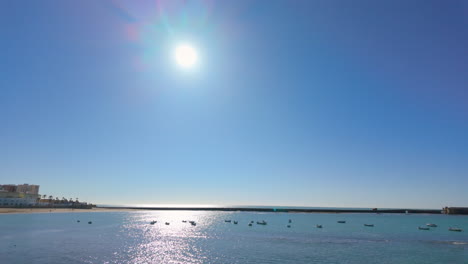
{"x":128,"y":237}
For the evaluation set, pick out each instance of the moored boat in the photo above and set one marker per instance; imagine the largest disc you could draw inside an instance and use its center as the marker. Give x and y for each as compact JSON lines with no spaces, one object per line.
{"x":261,"y":222}
{"x":369,"y":225}
{"x":455,"y":229}
{"x":423,"y":228}
{"x":431,"y":225}
{"x":318,"y":226}
{"x":341,"y":222}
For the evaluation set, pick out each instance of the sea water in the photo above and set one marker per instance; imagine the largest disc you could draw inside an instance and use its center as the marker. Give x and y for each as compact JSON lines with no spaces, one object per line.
{"x":128,"y":237}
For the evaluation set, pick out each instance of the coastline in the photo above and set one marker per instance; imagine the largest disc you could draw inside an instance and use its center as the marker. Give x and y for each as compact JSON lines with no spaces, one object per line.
{"x":225,"y":209}
{"x":60,"y":210}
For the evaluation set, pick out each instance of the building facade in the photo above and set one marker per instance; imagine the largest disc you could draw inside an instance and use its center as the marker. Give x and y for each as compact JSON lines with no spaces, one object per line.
{"x":27,"y":188}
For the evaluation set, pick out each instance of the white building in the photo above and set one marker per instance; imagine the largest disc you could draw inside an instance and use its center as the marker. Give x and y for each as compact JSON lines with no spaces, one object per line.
{"x":17,"y":199}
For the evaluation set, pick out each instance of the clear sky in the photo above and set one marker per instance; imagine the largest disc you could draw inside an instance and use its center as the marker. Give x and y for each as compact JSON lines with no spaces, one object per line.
{"x":305,"y":103}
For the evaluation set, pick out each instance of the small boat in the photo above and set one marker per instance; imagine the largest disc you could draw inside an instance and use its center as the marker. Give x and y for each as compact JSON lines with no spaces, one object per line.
{"x":318,"y":226}
{"x":153,"y":222}
{"x":227,"y":221}
{"x":250,"y":224}
{"x":423,"y":228}
{"x":90,"y":222}
{"x":290,"y":221}
{"x":342,"y":222}
{"x":167,"y":223}
{"x":77,"y":221}
{"x":369,"y":225}
{"x":261,"y":222}
{"x":289,"y":226}
{"x":184,"y":221}
{"x":193,"y":223}
{"x":431,"y":225}
{"x":455,"y":229}
{"x":235,"y":222}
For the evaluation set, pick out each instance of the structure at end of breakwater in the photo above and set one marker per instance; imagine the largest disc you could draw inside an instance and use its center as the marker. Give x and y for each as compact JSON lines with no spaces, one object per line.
{"x":455,"y":210}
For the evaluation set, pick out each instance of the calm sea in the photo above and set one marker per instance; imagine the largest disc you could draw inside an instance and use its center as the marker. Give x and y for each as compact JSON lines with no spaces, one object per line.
{"x":128,"y":237}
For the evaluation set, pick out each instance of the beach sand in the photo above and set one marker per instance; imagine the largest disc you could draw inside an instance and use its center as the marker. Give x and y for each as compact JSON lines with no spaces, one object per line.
{"x":57,"y":210}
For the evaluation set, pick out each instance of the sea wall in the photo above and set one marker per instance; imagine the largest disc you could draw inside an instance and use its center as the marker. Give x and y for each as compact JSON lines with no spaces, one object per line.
{"x":287,"y":210}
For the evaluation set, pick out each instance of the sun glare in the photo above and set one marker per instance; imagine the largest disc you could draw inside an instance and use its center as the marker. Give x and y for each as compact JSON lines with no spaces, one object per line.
{"x":185,"y":56}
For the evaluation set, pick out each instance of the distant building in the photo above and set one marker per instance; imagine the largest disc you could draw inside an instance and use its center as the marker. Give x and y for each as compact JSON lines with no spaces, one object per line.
{"x":8,"y":187}
{"x":19,"y":195}
{"x":455,"y":210}
{"x":27,"y":195}
{"x":27,"y":188}
{"x":17,"y":199}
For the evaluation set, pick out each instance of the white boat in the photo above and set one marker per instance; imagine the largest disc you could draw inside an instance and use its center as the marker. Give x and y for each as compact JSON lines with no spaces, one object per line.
{"x":431,"y":225}
{"x":455,"y":229}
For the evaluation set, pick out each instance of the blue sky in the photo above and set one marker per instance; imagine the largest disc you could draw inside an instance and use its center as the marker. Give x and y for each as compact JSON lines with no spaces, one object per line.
{"x":311,"y":103}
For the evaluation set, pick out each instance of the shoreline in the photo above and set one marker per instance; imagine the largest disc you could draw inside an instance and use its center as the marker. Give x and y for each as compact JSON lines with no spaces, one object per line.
{"x":59,"y":210}
{"x":219,"y":209}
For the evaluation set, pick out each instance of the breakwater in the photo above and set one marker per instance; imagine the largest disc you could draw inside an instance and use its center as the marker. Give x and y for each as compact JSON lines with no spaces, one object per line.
{"x":283,"y":210}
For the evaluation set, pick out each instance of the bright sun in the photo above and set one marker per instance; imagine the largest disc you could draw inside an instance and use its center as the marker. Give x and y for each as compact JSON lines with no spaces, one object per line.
{"x":186,"y":56}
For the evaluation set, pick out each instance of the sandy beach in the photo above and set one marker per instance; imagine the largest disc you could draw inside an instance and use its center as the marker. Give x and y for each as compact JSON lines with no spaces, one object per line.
{"x":58,"y":210}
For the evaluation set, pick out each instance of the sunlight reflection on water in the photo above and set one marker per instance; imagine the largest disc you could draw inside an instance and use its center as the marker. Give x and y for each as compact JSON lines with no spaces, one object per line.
{"x":177,"y":242}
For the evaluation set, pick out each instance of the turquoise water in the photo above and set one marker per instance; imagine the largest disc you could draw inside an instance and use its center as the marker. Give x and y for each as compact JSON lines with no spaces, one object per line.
{"x":127,"y":237}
